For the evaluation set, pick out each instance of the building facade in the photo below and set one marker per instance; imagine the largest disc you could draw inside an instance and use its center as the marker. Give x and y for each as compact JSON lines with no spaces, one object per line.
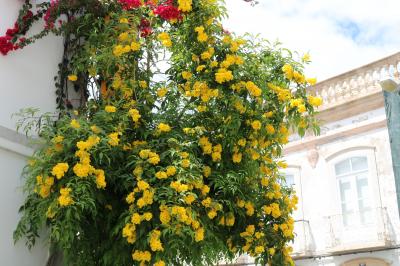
{"x":347,"y":213}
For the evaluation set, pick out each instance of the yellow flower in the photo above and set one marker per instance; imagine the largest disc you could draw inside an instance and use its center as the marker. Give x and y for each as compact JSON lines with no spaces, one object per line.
{"x":58,"y":139}
{"x":75,"y":124}
{"x":159,"y":263}
{"x":211,"y":214}
{"x":123,"y":21}
{"x":143,"y":84}
{"x":185,"y":163}
{"x":65,"y":199}
{"x":59,"y":170}
{"x":162,"y":92}
{"x":288,"y":71}
{"x":259,"y":249}
{"x":134,"y":113}
{"x":205,"y":189}
{"x":123,"y":36}
{"x":155,"y":243}
{"x":165,"y":217}
{"x":199,"y":234}
{"x":315,"y":101}
{"x":114,"y":139}
{"x":171,"y":170}
{"x":185,"y":5}
{"x":135,"y":46}
{"x":110,"y":109}
{"x":161,"y":175}
{"x":306,"y":57}
{"x":201,"y":35}
{"x":301,"y":108}
{"x":206,"y":171}
{"x":249,"y":208}
{"x":216,"y":156}
{"x":186,"y":75}
{"x":311,"y":81}
{"x":82,"y":170}
{"x":147,"y":216}
{"x":129,"y":233}
{"x":143,"y":256}
{"x":270,"y":129}
{"x":135,"y":219}
{"x":189,"y":199}
{"x":50,"y":213}
{"x":95,"y":129}
{"x":256,"y":125}
{"x":73,"y":77}
{"x":223,"y":75}
{"x":237,"y":157}
{"x":165,"y":39}
{"x":154,"y":159}
{"x":143,"y":185}
{"x":100,"y":178}
{"x":298,"y":77}
{"x":271,"y":251}
{"x":44,"y":191}
{"x":253,"y":89}
{"x":164,"y":127}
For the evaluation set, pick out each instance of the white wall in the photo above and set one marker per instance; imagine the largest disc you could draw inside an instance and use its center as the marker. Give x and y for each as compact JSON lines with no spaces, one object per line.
{"x":26,"y":80}
{"x":26,"y":76}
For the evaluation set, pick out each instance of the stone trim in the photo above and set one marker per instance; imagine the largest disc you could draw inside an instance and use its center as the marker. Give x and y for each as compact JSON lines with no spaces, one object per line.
{"x":331,"y":136}
{"x":13,"y":141}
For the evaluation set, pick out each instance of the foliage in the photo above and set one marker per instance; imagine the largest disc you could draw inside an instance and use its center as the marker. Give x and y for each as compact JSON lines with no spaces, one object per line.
{"x":173,"y":155}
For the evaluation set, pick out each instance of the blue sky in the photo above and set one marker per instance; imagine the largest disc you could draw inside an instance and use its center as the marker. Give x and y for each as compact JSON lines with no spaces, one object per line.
{"x":339,"y":34}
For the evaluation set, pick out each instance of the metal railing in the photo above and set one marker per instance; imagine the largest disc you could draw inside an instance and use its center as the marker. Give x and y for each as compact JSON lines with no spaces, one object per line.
{"x":357,"y":230}
{"x":304,"y":244}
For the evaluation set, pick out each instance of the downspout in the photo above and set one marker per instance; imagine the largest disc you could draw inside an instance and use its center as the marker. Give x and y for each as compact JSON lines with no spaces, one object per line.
{"x":392,"y":108}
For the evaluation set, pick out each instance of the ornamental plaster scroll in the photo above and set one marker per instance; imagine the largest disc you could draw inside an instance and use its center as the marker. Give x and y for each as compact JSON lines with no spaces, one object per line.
{"x":312,"y":157}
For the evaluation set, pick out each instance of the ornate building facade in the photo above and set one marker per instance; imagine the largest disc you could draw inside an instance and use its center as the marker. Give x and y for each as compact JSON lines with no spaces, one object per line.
{"x":347,"y":213}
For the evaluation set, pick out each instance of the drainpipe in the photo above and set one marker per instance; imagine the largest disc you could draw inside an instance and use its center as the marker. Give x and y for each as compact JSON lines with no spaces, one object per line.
{"x":392,"y":108}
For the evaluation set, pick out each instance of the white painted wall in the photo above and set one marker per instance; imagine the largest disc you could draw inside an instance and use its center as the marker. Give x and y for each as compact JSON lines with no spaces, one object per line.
{"x":26,"y":80}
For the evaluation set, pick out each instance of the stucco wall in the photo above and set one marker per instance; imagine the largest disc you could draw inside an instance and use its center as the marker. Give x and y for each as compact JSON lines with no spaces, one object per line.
{"x":26,"y":81}
{"x":319,"y":189}
{"x":26,"y":75}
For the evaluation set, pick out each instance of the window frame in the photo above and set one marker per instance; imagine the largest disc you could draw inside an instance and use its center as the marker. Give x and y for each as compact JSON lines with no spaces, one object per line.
{"x":373,"y":182}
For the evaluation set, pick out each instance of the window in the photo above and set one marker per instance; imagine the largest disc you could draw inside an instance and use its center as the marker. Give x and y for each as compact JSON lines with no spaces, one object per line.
{"x":289,"y":180}
{"x":352,"y":177}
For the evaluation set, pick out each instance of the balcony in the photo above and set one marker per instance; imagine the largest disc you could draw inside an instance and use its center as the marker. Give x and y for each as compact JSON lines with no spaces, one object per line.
{"x":356,"y":231}
{"x":304,"y":245}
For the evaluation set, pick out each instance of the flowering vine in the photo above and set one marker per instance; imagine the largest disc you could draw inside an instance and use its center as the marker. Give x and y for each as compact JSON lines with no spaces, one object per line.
{"x":173,"y":154}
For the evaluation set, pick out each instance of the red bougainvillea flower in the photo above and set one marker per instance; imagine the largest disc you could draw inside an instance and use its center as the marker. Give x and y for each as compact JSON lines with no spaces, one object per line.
{"x":168,"y":12}
{"x":27,"y":16}
{"x":6,"y":45}
{"x":129,"y":4}
{"x":47,"y":16}
{"x":13,"y":31}
{"x":145,"y":28}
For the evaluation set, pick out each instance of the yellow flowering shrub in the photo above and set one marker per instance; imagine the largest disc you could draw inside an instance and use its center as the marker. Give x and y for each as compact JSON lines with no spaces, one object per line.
{"x":176,"y":166}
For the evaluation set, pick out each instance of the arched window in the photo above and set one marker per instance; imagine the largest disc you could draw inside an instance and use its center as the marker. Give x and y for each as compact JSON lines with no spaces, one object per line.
{"x":366,"y":262}
{"x":354,"y":191}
